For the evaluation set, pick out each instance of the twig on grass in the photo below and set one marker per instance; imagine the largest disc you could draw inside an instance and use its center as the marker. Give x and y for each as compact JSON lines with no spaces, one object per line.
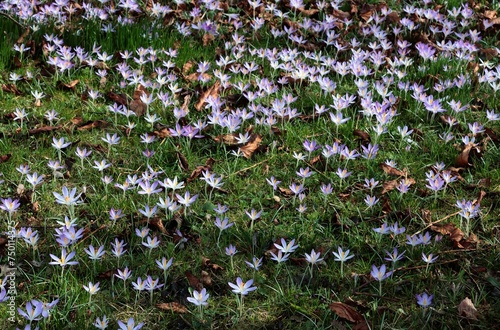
{"x":437,"y":221}
{"x":250,"y":167}
{"x":12,"y":19}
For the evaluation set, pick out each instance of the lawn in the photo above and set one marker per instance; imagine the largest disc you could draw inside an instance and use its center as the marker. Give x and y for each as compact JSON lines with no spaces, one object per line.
{"x":249,"y":164}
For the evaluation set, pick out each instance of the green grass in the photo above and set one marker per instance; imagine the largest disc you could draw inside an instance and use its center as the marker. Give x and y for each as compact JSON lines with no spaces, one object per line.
{"x":287,"y":295}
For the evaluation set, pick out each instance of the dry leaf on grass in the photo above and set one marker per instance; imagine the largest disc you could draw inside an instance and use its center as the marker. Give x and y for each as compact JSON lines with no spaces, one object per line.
{"x":206,"y":263}
{"x":137,"y":106}
{"x":194,"y":282}
{"x":227,"y":139}
{"x":120,"y":99}
{"x":391,"y":170}
{"x":346,"y":312}
{"x":364,"y":137}
{"x":449,"y":229}
{"x":163,"y":133}
{"x":463,"y":158}
{"x":173,"y":306}
{"x":252,"y":145}
{"x":467,"y":309}
{"x":187,"y":67}
{"x":195,"y":76}
{"x":93,"y":124}
{"x":286,"y":192}
{"x":43,"y":129}
{"x":67,"y":86}
{"x":207,"y":39}
{"x":211,"y":91}
{"x":11,"y":88}
{"x":183,"y":161}
{"x":5,"y":158}
{"x":157,"y":224}
{"x":206,"y":279}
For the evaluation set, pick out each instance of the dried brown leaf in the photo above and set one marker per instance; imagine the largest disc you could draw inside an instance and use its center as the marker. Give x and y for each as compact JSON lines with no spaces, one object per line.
{"x":308,"y":12}
{"x":43,"y":129}
{"x":194,"y":282}
{"x":252,"y":145}
{"x":211,"y":91}
{"x":391,"y":170}
{"x":206,"y":263}
{"x":120,"y":99}
{"x":449,"y":229}
{"x":315,"y":159}
{"x":227,"y":139}
{"x":157,"y":224}
{"x":5,"y":158}
{"x":491,"y":134}
{"x":106,"y":275}
{"x":197,"y":172}
{"x":426,"y":215}
{"x":207,"y":39}
{"x":93,"y":124}
{"x":183,"y":161}
{"x":462,"y":159}
{"x":67,"y":86}
{"x":187,"y":67}
{"x":11,"y":88}
{"x":342,"y":15}
{"x":346,"y":312}
{"x":488,"y":53}
{"x":163,"y":133}
{"x":365,"y":137}
{"x":490,"y":14}
{"x":285,"y":192}
{"x":173,"y":307}
{"x":195,"y":76}
{"x":467,"y":309}
{"x":206,"y":279}
{"x":389,"y":185}
{"x":185,"y":104}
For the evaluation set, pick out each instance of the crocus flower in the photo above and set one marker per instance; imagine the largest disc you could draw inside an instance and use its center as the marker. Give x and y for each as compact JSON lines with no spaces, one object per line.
{"x":130,"y":325}
{"x":424,"y":299}
{"x":241,"y":287}
{"x":199,"y":298}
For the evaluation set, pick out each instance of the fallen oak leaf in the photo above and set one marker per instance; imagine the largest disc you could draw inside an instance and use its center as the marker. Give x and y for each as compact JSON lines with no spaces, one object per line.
{"x":174,"y":307}
{"x":137,"y":106}
{"x":199,"y":169}
{"x":187,"y":67}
